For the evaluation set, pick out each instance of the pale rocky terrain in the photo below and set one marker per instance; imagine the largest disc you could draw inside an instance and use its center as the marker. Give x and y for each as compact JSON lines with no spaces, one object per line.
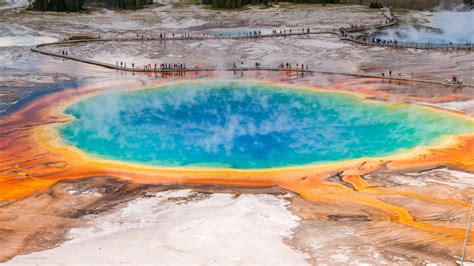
{"x":115,"y":222}
{"x":183,"y":227}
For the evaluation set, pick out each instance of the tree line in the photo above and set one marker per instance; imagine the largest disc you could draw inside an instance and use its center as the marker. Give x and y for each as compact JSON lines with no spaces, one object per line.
{"x":375,"y":5}
{"x":58,"y":5}
{"x":123,"y":4}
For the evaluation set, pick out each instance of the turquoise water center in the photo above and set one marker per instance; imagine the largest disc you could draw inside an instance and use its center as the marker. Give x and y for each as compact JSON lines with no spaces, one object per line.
{"x":249,"y":125}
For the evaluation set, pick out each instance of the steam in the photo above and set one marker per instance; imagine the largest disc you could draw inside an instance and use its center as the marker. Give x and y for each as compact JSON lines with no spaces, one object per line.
{"x":456,"y":26}
{"x":245,"y":125}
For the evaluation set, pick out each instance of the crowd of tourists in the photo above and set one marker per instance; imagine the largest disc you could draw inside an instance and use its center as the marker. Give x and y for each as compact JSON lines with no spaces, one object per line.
{"x":176,"y":36}
{"x":251,"y":34}
{"x":282,"y":66}
{"x":384,"y":42}
{"x":454,"y":81}
{"x":156,"y":67}
{"x":359,"y":26}
{"x":296,"y":66}
{"x":182,"y":66}
{"x":396,"y":43}
{"x":165,"y":66}
{"x":290,"y":31}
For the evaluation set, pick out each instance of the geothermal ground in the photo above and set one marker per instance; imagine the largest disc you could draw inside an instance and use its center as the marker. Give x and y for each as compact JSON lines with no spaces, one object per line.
{"x":57,"y":207}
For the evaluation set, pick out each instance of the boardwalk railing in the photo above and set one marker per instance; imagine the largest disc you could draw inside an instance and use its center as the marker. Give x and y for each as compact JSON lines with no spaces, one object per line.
{"x":389,"y":23}
{"x":343,"y":32}
{"x":397,"y":44}
{"x":286,"y":33}
{"x":235,"y":70}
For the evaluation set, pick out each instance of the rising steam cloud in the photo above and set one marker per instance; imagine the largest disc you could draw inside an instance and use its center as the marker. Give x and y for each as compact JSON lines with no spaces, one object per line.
{"x":246,"y":125}
{"x":456,"y":26}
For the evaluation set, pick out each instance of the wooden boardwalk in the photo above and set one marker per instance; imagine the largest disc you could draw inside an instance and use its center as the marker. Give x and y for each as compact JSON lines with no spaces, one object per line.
{"x":360,"y":39}
{"x":409,"y":45}
{"x":300,"y":32}
{"x":231,"y":69}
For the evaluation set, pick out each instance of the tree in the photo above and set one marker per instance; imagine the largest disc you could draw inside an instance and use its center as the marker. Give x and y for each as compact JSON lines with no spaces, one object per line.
{"x":58,"y":5}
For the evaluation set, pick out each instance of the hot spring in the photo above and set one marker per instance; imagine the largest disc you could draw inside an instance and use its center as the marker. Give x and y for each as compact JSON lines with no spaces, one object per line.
{"x":246,"y":125}
{"x":444,"y":27}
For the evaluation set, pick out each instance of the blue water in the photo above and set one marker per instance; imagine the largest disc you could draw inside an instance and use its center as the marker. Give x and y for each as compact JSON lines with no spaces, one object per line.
{"x":27,"y":96}
{"x":248,"y":125}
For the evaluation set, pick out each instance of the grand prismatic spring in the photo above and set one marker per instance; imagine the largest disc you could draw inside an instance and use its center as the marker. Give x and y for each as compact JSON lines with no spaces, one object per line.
{"x":271,"y":134}
{"x":248,"y":126}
